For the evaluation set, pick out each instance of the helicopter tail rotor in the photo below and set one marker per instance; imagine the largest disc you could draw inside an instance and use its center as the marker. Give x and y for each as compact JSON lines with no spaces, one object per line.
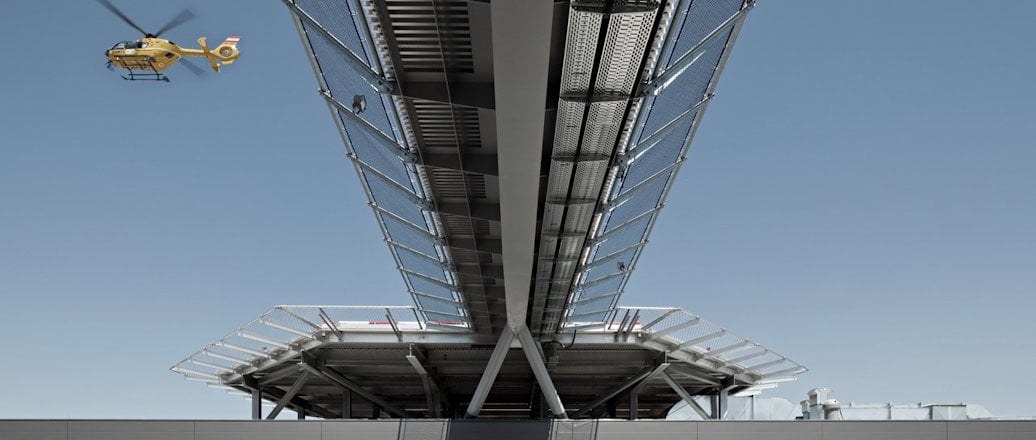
{"x":227,"y":51}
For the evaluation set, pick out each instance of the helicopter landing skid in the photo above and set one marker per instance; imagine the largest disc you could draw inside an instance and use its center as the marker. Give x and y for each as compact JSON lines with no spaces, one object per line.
{"x":145,"y":77}
{"x":147,"y":73}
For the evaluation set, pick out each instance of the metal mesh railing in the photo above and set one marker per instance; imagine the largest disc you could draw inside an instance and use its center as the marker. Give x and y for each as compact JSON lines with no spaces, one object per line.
{"x":283,"y":332}
{"x":692,"y":338}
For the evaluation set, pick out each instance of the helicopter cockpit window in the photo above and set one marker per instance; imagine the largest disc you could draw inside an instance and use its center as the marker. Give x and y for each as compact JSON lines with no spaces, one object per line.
{"x":129,"y":45}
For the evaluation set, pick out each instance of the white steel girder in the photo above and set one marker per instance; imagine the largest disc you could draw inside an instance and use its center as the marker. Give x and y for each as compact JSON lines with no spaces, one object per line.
{"x":521,"y":54}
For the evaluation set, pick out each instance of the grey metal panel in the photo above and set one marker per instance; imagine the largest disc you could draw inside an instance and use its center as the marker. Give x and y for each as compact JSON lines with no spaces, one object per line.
{"x":33,"y":430}
{"x":719,"y":430}
{"x":647,"y":430}
{"x":574,"y":430}
{"x":990,"y":430}
{"x":499,"y":430}
{"x":876,"y":430}
{"x":259,"y":430}
{"x":422,"y":429}
{"x":130,"y":430}
{"x":363,"y":429}
{"x":435,"y":429}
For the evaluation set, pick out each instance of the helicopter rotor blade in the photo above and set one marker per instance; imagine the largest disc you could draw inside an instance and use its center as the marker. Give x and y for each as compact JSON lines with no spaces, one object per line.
{"x":181,"y":18}
{"x":189,"y":64}
{"x":114,"y":10}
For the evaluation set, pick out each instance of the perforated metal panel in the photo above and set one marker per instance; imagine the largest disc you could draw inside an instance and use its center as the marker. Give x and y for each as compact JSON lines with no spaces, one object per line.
{"x":662,"y":133}
{"x":604,"y":52}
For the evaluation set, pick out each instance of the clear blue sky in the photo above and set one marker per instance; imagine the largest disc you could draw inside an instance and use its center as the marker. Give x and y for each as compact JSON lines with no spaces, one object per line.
{"x":861,"y":198}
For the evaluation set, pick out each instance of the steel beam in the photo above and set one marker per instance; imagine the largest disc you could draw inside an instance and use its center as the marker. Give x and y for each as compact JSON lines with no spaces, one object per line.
{"x":288,"y":395}
{"x":634,"y":404}
{"x":521,"y":32}
{"x":671,"y":329}
{"x":257,"y":404}
{"x":666,"y":77}
{"x":360,"y":66}
{"x":687,"y":398}
{"x":690,"y":343}
{"x":378,"y":136}
{"x":535,"y":358}
{"x":793,"y":370}
{"x":700,"y":377}
{"x":432,"y":387}
{"x":485,"y":164}
{"x":314,"y":366}
{"x":485,"y":383}
{"x":480,"y":210}
{"x":728,"y":349}
{"x":740,"y":359}
{"x":647,"y":143}
{"x":250,"y":385}
{"x":609,"y":394}
{"x":659,"y":319}
{"x":464,"y":93}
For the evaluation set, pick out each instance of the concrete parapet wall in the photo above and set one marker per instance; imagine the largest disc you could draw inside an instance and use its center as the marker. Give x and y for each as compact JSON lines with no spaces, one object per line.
{"x":425,"y":429}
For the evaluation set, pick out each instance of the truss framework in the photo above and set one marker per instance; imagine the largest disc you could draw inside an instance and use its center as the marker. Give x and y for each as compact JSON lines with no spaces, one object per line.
{"x":391,"y":361}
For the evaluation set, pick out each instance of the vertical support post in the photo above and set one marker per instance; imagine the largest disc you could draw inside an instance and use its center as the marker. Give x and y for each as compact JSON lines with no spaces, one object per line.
{"x":539,"y":369}
{"x":301,"y":414}
{"x":376,"y":412}
{"x":722,"y":403}
{"x":257,"y":404}
{"x":503,"y":345}
{"x":634,"y":403}
{"x":714,"y":401}
{"x":347,"y":404}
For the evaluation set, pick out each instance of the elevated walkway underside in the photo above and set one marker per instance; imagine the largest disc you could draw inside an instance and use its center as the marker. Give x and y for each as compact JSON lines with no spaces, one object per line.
{"x":516,"y":153}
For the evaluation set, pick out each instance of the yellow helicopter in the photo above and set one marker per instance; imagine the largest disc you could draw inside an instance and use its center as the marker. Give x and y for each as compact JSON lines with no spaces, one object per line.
{"x":148,"y":57}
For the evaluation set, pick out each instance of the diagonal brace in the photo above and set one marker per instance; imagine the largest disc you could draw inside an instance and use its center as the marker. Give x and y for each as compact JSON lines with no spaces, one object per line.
{"x":687,"y":398}
{"x":316,"y":367}
{"x":432,"y":388}
{"x":635,"y":380}
{"x":535,"y":358}
{"x":288,"y":395}
{"x":485,"y":383}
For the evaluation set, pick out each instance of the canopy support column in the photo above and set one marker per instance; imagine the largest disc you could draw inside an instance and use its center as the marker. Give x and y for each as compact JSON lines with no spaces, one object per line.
{"x":485,"y":383}
{"x":539,"y":369}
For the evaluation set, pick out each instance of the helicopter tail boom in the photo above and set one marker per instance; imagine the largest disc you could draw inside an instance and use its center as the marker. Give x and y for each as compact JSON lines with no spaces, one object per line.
{"x":225,"y":53}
